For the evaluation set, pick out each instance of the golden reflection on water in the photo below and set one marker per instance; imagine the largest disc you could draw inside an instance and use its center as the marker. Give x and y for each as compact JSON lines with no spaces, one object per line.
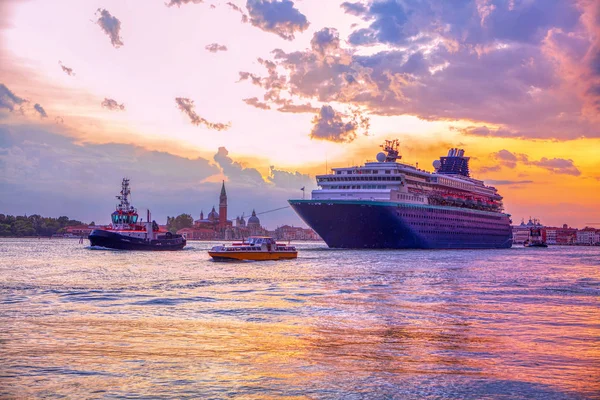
{"x":327,"y":326}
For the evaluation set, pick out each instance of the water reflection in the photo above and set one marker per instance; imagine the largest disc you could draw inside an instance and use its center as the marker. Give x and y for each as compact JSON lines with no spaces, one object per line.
{"x":331,"y":324}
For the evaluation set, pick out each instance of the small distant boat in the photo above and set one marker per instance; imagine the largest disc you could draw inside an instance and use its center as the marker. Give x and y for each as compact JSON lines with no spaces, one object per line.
{"x":257,"y":248}
{"x":127,"y":233}
{"x":535,"y":239}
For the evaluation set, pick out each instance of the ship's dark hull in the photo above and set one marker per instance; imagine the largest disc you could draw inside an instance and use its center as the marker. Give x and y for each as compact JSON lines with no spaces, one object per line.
{"x":113,"y":240}
{"x":373,"y":224}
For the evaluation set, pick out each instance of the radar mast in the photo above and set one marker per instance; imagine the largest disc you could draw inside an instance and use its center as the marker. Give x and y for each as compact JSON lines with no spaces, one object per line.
{"x":391,"y":149}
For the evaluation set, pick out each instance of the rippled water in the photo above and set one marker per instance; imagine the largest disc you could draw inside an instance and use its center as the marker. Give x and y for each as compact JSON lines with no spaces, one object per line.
{"x":82,"y":323}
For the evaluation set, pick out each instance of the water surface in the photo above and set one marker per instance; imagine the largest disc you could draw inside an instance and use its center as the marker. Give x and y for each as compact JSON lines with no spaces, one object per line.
{"x":82,"y":323}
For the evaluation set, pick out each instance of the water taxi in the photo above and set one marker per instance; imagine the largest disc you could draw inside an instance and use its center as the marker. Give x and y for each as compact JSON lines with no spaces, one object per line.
{"x":255,"y":248}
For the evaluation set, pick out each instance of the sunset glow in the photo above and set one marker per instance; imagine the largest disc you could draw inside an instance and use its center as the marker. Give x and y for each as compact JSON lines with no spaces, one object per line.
{"x":91,"y":91}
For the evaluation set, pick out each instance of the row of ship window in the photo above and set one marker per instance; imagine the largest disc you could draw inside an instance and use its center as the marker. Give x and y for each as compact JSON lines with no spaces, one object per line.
{"x":358,"y":187}
{"x":488,"y":229}
{"x":452,"y":212}
{"x":462,"y":233}
{"x":366,"y":171}
{"x":360,"y":178}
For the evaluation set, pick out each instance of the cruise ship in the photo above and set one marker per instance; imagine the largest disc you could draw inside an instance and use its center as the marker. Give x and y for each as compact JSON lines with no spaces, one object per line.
{"x":391,"y":204}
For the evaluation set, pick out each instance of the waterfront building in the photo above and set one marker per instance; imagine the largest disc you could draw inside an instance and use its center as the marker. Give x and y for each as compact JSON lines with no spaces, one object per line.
{"x":79,"y":230}
{"x":566,"y":235}
{"x":287,"y":232}
{"x":587,"y":236}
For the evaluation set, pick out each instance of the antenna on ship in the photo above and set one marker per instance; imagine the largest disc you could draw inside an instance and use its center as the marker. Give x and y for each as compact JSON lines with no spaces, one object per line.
{"x":391,"y":148}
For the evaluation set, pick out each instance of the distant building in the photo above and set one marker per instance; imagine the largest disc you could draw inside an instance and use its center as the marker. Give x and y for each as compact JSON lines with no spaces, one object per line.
{"x":215,"y":225}
{"x":287,"y":232}
{"x":79,"y":230}
{"x":587,"y":236}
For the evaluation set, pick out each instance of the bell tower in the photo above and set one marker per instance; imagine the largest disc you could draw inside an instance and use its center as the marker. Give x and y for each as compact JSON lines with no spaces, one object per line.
{"x":223,"y":206}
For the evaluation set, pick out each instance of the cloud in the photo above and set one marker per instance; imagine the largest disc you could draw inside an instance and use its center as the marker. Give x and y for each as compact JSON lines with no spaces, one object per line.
{"x":329,"y":125}
{"x":178,"y":3}
{"x":512,"y":160}
{"x":253,"y":101}
{"x":215,"y":47}
{"x":558,"y":166}
{"x":289,"y":107}
{"x":235,"y":171}
{"x":466,"y":60}
{"x":187,"y":106}
{"x":290,"y":180}
{"x":277,"y":16}
{"x":238,"y":9}
{"x":508,"y":159}
{"x":325,"y":40}
{"x":40,"y":110}
{"x":111,"y":26}
{"x":357,"y":9}
{"x":9,"y":100}
{"x":67,"y":70}
{"x":112,"y":105}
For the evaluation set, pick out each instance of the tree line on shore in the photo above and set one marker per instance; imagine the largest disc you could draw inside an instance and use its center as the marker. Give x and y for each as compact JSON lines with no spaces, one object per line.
{"x":35,"y":225}
{"x":181,"y":221}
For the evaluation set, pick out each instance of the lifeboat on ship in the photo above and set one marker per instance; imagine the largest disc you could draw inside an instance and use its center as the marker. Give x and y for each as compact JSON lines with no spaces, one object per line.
{"x":257,"y":248}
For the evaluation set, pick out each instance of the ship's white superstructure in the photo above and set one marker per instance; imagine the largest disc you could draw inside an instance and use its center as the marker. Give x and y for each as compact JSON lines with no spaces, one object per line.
{"x":389,"y":179}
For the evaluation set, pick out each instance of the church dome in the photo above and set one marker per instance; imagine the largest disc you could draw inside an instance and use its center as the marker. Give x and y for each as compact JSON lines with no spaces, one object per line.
{"x":253,"y":220}
{"x":213,"y":215}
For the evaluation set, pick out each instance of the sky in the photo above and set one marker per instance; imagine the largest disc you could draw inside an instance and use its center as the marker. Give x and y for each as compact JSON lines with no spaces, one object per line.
{"x":180,"y":95}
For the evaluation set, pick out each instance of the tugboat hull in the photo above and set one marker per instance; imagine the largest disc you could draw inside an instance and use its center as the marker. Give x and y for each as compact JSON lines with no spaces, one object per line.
{"x":113,"y":240}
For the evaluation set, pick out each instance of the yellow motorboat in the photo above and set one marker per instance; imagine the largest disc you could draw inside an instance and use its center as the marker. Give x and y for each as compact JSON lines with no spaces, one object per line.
{"x":255,"y":248}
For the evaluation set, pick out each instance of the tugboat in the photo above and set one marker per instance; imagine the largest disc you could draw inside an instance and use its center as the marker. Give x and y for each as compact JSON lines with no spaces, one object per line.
{"x":127,"y":233}
{"x":535,"y":239}
{"x":257,"y":248}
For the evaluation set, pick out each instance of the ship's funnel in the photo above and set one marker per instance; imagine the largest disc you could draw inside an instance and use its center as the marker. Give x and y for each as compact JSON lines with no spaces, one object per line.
{"x":450,"y":153}
{"x":461,"y":153}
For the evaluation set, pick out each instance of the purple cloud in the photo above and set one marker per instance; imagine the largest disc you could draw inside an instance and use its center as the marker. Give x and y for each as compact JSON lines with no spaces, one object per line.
{"x":111,"y":26}
{"x":513,"y":65}
{"x":289,"y":107}
{"x":357,"y":9}
{"x":254,"y":102}
{"x":508,"y":159}
{"x":9,"y":100}
{"x":325,"y":40}
{"x":179,"y":3}
{"x":558,"y":166}
{"x":112,"y":105}
{"x":329,"y":125}
{"x":215,"y":47}
{"x":512,"y":160}
{"x":238,"y":9}
{"x":40,"y":110}
{"x":277,"y":16}
{"x":236,"y":171}
{"x":187,"y":106}
{"x":67,"y":70}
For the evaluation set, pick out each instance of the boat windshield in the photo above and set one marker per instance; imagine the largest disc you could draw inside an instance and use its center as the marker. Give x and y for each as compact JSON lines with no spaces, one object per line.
{"x":124,"y":218}
{"x":259,"y":240}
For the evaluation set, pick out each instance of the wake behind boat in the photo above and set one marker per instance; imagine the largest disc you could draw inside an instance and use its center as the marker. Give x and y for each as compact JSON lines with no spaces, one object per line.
{"x":127,"y":233}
